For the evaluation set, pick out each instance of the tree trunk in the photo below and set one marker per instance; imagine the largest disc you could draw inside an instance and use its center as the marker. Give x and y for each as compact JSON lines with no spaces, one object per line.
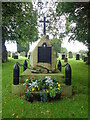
{"x":88,"y":60}
{"x":4,"y":52}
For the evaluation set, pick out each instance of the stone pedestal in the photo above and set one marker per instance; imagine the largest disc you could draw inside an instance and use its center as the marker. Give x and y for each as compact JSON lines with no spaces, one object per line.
{"x":66,"y":90}
{"x":18,"y":89}
{"x":27,"y":72}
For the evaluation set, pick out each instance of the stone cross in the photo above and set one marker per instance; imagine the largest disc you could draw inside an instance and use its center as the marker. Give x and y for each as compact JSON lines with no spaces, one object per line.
{"x":44,"y":30}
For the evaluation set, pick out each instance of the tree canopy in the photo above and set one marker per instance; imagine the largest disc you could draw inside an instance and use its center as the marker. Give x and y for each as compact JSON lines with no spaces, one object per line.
{"x":63,"y":50}
{"x":57,"y":44}
{"x":77,"y":19}
{"x":77,"y":16}
{"x":19,"y":22}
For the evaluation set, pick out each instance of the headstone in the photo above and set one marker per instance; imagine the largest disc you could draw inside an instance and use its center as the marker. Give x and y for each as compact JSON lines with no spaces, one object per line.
{"x":70,"y":55}
{"x":15,"y":56}
{"x":25,"y":54}
{"x":84,"y":59}
{"x":22,"y":54}
{"x":63,"y":56}
{"x":43,"y":55}
{"x":9,"y":54}
{"x":77,"y":57}
{"x":65,"y":59}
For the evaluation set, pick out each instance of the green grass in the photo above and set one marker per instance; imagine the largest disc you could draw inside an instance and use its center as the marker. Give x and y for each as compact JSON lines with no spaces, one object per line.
{"x":14,"y":106}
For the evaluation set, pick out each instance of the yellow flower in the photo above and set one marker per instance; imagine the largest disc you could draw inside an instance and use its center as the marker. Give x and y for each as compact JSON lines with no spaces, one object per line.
{"x":38,"y":89}
{"x":59,"y":85}
{"x":50,"y":87}
{"x":57,"y":82}
{"x":37,"y":86}
{"x":58,"y":88}
{"x":32,"y":89}
{"x":26,"y":80}
{"x":47,"y":91}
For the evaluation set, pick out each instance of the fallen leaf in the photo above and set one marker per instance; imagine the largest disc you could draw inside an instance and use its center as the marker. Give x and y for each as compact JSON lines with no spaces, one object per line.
{"x":48,"y":111}
{"x":15,"y":107}
{"x":17,"y":116}
{"x":41,"y":112}
{"x":5,"y":102}
{"x":82,"y":107}
{"x":73,"y":114}
{"x":13,"y":114}
{"x":44,"y":113}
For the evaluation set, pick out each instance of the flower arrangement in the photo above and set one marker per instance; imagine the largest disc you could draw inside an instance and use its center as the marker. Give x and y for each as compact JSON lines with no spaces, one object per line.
{"x":42,"y":88}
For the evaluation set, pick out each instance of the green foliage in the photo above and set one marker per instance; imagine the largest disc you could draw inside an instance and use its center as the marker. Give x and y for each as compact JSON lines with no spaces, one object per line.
{"x":75,"y":12}
{"x":52,"y":93}
{"x":63,"y":50}
{"x":83,"y":52}
{"x":57,"y":44}
{"x":77,"y":21}
{"x":21,"y":47}
{"x":19,"y":22}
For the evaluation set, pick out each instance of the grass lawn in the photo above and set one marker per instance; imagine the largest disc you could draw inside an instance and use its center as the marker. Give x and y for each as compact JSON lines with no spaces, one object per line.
{"x":14,"y":106}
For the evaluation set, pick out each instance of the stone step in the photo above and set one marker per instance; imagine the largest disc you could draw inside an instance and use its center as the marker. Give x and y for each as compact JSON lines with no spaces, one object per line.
{"x":27,"y":72}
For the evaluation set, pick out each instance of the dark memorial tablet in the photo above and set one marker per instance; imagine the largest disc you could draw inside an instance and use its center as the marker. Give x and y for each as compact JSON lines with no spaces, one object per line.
{"x":44,"y":54}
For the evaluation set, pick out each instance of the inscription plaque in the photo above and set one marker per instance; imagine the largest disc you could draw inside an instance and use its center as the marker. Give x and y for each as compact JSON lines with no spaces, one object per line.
{"x":44,"y":54}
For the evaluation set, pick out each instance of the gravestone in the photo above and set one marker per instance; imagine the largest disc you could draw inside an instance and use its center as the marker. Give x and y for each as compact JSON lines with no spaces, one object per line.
{"x":84,"y":59}
{"x":65,"y":59}
{"x":9,"y":54}
{"x":44,"y":54}
{"x":63,"y":56}
{"x":77,"y":57}
{"x":22,"y":54}
{"x":70,"y":55}
{"x":15,"y":56}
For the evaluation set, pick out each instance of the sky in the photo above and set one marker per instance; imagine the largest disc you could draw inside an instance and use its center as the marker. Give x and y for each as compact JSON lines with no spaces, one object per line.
{"x":72,"y":46}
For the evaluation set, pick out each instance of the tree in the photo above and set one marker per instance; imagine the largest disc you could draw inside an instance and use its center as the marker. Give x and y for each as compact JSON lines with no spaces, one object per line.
{"x":77,"y":21}
{"x":63,"y":50}
{"x":57,"y":44}
{"x":21,"y":47}
{"x":19,"y":22}
{"x":83,"y":52}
